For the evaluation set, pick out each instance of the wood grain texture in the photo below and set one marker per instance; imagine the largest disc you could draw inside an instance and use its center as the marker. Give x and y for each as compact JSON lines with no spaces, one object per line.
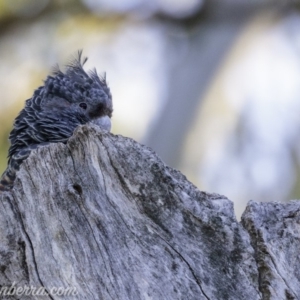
{"x":105,"y":215}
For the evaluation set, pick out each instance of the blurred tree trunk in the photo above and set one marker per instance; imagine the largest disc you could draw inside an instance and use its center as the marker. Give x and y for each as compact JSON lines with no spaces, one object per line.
{"x":207,"y":40}
{"x":104,"y":215}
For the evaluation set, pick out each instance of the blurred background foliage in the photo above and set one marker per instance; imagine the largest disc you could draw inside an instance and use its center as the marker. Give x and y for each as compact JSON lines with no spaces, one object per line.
{"x":213,"y":86}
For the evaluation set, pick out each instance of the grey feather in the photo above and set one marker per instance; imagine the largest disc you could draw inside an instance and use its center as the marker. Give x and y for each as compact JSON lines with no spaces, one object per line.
{"x":67,"y":99}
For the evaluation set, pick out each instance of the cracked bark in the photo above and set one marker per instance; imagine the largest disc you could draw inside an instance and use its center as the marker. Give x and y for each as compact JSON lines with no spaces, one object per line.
{"x":103,"y":214}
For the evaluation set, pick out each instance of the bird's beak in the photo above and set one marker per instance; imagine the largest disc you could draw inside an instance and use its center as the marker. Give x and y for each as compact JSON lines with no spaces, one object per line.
{"x":103,"y":122}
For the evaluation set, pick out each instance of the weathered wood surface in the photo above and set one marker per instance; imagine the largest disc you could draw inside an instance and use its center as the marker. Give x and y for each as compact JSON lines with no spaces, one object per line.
{"x":103,"y":214}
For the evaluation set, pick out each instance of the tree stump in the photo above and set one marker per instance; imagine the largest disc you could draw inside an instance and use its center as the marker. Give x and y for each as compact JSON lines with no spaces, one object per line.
{"x":103,"y":217}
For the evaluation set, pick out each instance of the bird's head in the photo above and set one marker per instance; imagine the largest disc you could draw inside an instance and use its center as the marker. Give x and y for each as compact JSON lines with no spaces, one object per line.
{"x":83,"y":95}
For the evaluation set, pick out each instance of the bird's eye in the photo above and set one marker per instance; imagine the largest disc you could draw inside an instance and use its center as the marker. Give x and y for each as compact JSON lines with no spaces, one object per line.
{"x":83,"y":105}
